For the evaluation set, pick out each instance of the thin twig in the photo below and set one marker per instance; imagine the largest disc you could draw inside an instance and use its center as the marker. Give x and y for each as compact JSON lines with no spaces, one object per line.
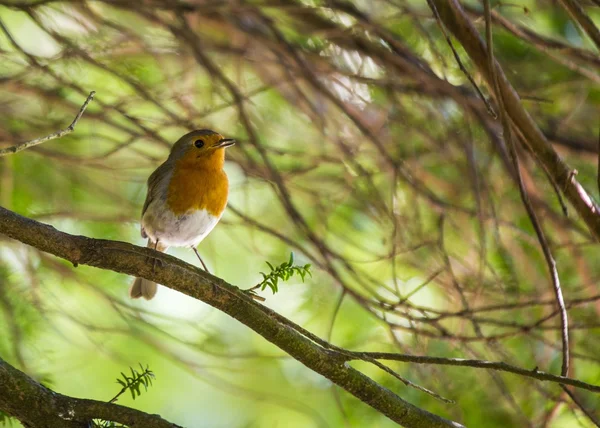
{"x":348,"y":355}
{"x":27,"y":144}
{"x":406,"y":381}
{"x":459,"y":62}
{"x":578,"y":14}
{"x":453,"y":15}
{"x":524,"y":195}
{"x":336,"y":310}
{"x":594,"y":418}
{"x":481,"y":364}
{"x":557,"y":192}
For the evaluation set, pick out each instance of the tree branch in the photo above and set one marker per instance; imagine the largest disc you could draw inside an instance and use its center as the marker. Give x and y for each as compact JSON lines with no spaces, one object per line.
{"x":579,"y":15}
{"x":37,"y":406}
{"x":491,"y":365}
{"x":453,"y":16}
{"x":310,"y":350}
{"x":178,"y":275}
{"x":539,"y":231}
{"x":27,"y":144}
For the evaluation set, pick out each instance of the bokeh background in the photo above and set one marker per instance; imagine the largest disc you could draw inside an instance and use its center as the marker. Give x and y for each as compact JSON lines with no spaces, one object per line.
{"x":363,"y":148}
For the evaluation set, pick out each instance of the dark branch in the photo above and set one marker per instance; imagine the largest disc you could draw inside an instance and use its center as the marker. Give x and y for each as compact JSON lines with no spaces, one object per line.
{"x":491,"y":365}
{"x":37,"y":406}
{"x":455,"y":19}
{"x":178,"y":275}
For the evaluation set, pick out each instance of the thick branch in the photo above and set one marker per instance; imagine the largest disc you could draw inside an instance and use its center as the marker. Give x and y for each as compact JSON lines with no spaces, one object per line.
{"x":37,"y":406}
{"x":455,"y":19}
{"x":178,"y":275}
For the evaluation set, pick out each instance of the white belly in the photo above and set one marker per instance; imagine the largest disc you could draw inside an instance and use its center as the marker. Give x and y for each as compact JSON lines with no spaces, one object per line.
{"x":184,"y":230}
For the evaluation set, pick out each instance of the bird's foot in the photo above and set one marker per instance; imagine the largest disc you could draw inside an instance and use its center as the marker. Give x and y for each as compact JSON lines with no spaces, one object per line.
{"x":155,"y":262}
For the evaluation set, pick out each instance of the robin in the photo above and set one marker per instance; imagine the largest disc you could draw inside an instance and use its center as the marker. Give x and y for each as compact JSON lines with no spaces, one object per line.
{"x":186,"y":198}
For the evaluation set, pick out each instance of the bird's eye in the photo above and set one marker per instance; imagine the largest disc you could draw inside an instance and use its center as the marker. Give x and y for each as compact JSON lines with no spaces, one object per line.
{"x":199,"y":143}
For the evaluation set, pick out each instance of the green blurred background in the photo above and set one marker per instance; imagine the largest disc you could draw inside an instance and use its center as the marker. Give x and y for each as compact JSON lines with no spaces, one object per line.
{"x":393,"y":188}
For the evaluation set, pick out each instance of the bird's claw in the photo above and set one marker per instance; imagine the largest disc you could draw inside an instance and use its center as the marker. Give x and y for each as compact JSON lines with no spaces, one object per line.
{"x":156,"y":262}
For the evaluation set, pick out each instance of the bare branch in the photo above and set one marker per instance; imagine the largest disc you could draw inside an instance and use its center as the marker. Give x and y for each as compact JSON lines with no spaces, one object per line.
{"x":579,"y":15}
{"x":37,"y":406}
{"x":482,"y":364}
{"x":27,"y":144}
{"x":524,"y":194}
{"x":185,"y":278}
{"x":453,"y":16}
{"x":592,"y":417}
{"x":459,"y":62}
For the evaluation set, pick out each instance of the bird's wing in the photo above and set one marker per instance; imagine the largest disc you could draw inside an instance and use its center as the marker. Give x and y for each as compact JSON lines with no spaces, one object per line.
{"x":155,"y":186}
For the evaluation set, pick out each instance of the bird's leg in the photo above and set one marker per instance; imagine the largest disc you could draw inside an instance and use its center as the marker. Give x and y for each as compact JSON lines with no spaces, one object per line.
{"x":200,"y":258}
{"x":155,"y":260}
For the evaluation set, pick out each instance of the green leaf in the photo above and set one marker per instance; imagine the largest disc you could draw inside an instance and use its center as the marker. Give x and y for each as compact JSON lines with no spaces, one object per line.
{"x":283,"y":272}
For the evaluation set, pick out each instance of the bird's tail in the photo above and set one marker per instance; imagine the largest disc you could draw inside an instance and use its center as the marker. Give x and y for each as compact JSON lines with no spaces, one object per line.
{"x":142,"y":287}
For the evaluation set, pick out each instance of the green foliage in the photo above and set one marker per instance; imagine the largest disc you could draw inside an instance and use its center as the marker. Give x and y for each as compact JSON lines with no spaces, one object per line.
{"x":282,"y":272}
{"x":371,"y":206}
{"x":133,"y":382}
{"x":106,"y":424}
{"x":5,"y":420}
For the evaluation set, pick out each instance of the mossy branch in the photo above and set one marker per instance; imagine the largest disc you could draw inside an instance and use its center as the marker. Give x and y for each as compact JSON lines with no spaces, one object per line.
{"x":123,"y":257}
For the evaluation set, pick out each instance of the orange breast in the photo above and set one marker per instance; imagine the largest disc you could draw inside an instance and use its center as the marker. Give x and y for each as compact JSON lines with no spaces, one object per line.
{"x":193,"y":188}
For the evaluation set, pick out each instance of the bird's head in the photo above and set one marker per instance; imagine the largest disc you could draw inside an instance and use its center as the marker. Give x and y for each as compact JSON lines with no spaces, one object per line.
{"x":202,"y":147}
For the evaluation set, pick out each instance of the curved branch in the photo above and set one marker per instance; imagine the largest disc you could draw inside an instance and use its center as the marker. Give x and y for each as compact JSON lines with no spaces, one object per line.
{"x":37,"y":406}
{"x":480,"y":364}
{"x":185,"y":278}
{"x":455,"y":19}
{"x":538,"y":41}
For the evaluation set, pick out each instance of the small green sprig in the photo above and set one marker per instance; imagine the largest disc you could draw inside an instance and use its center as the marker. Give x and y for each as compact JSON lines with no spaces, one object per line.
{"x":282,"y":272}
{"x":107,"y":424}
{"x":5,"y":420}
{"x":134,"y":382}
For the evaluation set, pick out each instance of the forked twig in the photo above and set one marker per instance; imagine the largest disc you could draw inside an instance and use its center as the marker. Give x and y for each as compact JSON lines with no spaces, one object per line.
{"x":488,"y":106}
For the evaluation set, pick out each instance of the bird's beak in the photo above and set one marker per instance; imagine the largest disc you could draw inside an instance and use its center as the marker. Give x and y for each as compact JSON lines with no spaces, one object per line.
{"x":225,"y":142}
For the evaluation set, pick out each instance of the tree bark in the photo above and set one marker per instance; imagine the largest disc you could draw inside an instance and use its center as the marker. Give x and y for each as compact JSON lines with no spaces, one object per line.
{"x":36,"y":406}
{"x":185,"y":278}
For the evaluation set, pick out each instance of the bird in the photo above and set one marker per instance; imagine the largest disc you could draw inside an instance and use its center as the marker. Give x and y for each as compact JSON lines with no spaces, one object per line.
{"x":186,"y":198}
